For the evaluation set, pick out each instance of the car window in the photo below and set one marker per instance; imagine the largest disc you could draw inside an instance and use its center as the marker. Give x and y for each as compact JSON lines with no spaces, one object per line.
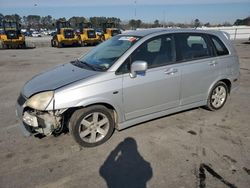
{"x":191,"y":46}
{"x":154,"y":45}
{"x":193,"y":40}
{"x":158,"y":51}
{"x":219,"y":46}
{"x":104,"y":55}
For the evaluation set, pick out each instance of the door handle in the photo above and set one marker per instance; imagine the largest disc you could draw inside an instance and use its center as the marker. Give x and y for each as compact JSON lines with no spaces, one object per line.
{"x":213,"y":63}
{"x":171,"y":71}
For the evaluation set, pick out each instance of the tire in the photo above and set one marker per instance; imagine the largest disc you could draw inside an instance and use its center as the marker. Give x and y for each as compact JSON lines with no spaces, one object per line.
{"x":5,"y":46}
{"x":83,"y":44}
{"x":23,"y":46}
{"x":85,"y":126}
{"x":52,"y":43}
{"x":218,"y":96}
{"x":103,"y":38}
{"x":59,"y":44}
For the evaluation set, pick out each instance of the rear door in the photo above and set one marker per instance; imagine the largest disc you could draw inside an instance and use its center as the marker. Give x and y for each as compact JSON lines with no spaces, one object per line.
{"x":199,"y":67}
{"x":157,"y":89}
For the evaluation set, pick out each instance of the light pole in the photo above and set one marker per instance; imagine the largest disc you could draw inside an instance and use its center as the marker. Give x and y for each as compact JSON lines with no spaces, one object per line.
{"x":164,"y":18}
{"x":135,"y":9}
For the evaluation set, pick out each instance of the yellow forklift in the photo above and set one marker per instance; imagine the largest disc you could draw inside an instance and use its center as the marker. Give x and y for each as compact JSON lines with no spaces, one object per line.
{"x":64,"y":36}
{"x":88,"y":35}
{"x":109,"y":30}
{"x":11,"y":36}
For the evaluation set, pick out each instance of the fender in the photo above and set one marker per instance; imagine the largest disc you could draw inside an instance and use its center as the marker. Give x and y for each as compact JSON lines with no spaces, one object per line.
{"x":93,"y":101}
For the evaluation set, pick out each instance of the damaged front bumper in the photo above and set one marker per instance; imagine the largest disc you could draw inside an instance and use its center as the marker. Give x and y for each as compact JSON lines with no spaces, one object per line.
{"x":37,"y":122}
{"x":27,"y":131}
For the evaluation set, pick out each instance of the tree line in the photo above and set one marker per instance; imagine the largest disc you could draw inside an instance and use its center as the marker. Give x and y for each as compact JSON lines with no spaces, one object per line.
{"x":37,"y":22}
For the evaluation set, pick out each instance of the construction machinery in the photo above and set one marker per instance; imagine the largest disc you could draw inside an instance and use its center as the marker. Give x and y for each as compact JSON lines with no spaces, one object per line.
{"x":109,"y":30}
{"x":11,"y":36}
{"x":64,"y":36}
{"x":88,"y":35}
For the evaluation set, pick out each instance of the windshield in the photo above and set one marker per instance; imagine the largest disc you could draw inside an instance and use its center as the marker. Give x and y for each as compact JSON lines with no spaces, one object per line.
{"x":105,"y":54}
{"x":10,"y":25}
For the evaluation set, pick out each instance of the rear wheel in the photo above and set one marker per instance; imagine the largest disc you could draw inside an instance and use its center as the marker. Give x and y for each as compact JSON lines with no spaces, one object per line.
{"x":218,"y":96}
{"x":91,"y":126}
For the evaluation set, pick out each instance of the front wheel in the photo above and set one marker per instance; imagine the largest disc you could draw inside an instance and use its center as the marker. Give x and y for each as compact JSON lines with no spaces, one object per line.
{"x":82,"y":43}
{"x":92,"y":126}
{"x":59,"y":44}
{"x":5,"y":46}
{"x":218,"y":96}
{"x":53,"y":43}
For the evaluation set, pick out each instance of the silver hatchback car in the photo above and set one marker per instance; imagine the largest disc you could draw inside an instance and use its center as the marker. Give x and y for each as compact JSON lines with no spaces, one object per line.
{"x":129,"y":79}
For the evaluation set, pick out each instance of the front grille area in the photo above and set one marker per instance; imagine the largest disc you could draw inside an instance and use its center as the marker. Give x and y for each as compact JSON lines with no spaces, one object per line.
{"x":68,"y":34}
{"x":12,"y":34}
{"x":21,"y":100}
{"x":91,"y":34}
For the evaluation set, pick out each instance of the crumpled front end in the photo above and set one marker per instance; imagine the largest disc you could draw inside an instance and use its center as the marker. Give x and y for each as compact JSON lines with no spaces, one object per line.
{"x":34,"y":121}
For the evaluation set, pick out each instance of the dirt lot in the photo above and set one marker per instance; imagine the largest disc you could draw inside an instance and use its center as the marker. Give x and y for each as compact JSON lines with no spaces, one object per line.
{"x":189,"y":149}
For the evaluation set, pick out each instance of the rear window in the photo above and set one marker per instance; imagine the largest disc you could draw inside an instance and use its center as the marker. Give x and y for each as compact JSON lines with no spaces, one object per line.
{"x":220,"y":48}
{"x":191,"y":46}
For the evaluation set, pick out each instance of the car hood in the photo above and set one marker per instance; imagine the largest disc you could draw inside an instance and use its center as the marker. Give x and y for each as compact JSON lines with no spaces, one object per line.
{"x":55,"y":78}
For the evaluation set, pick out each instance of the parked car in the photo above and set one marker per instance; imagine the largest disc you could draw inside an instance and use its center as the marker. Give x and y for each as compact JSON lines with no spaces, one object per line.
{"x":27,"y":33}
{"x":53,"y":33}
{"x":129,"y":79}
{"x":99,"y":31}
{"x":36,"y":34}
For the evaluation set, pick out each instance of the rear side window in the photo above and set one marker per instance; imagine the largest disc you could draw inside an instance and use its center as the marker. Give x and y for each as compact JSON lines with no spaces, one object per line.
{"x":191,"y":46}
{"x":220,"y":48}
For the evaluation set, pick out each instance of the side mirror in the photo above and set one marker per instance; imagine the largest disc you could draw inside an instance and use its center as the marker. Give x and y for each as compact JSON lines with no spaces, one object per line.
{"x":138,"y":66}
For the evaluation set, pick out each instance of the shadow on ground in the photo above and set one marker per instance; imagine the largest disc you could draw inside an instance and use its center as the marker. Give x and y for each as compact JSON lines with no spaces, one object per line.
{"x":246,"y":42}
{"x":26,"y":48}
{"x":125,"y":167}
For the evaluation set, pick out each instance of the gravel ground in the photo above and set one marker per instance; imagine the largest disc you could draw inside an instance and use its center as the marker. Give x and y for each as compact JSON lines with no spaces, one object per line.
{"x":195,"y":148}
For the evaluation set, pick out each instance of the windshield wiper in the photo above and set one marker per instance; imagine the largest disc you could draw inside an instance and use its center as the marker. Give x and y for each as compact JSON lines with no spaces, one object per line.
{"x":86,"y":64}
{"x":83,"y":64}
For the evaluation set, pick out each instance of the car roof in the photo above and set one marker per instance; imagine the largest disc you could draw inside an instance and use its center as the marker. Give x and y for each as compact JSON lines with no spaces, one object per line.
{"x":145,"y":32}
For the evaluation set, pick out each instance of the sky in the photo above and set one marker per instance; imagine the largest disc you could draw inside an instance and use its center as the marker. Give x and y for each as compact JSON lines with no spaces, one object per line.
{"x":213,"y":11}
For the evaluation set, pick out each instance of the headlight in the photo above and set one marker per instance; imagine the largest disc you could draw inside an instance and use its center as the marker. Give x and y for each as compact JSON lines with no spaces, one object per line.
{"x":40,"y":101}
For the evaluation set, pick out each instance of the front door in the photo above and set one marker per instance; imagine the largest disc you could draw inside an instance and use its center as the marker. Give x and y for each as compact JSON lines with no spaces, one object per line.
{"x":157,"y":89}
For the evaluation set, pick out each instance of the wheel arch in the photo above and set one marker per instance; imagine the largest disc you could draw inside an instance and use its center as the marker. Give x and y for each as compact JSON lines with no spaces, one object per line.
{"x":228,"y":84}
{"x":225,"y":80}
{"x":116,"y":113}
